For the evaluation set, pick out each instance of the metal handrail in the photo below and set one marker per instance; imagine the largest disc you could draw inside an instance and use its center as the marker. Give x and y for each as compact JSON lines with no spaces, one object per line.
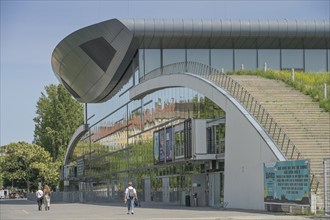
{"x":251,"y":104}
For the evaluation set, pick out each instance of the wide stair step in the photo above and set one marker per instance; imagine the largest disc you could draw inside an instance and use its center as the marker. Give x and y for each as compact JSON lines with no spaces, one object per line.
{"x":304,"y":122}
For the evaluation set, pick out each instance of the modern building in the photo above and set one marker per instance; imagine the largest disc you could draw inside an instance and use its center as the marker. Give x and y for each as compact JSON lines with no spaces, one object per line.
{"x":155,"y":114}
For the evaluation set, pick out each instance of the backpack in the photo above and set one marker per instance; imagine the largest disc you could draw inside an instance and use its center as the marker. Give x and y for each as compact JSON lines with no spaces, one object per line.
{"x":131,"y":192}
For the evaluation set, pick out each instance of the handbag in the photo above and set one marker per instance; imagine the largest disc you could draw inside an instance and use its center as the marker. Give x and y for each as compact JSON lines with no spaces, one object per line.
{"x":136,"y":202}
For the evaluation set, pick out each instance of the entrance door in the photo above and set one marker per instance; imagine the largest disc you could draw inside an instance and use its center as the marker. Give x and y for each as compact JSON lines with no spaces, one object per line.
{"x":214,"y":189}
{"x":166,"y":186}
{"x":200,"y":189}
{"x":146,"y":190}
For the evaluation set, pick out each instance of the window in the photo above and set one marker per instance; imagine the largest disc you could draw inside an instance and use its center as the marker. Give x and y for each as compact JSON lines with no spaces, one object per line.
{"x":171,"y":56}
{"x":315,"y":60}
{"x":198,"y":55}
{"x":270,"y":57}
{"x":292,"y":59}
{"x":222,"y":58}
{"x":152,"y":59}
{"x":245,"y":57}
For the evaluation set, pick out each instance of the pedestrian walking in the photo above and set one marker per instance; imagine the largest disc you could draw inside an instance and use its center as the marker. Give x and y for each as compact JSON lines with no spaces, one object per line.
{"x":47,"y":197}
{"x":40,"y":195}
{"x":130,"y":196}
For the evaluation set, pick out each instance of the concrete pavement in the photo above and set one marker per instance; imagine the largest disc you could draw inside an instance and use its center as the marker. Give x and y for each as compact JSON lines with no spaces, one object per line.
{"x":22,"y":209}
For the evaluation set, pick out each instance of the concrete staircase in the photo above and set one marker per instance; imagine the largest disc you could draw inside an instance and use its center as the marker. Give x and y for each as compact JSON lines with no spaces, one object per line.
{"x":306,"y":124}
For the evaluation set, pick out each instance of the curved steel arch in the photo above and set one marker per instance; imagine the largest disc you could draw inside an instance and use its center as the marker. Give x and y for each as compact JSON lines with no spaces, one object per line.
{"x":218,"y":95}
{"x":81,"y":130}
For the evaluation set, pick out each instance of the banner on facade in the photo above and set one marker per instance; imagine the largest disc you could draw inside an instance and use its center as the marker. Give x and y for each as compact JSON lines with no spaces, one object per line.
{"x":169,"y":144}
{"x":162,"y":146}
{"x":156,"y":147}
{"x":287,"y":182}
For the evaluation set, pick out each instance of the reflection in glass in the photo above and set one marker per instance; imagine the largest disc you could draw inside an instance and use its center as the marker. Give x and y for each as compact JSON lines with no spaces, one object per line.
{"x":121,"y":143}
{"x":246,"y":58}
{"x":152,"y":59}
{"x":271,"y":57}
{"x":328,"y":61}
{"x":222,"y":58}
{"x":171,"y":56}
{"x":292,"y":58}
{"x":315,"y":60}
{"x":198,"y":55}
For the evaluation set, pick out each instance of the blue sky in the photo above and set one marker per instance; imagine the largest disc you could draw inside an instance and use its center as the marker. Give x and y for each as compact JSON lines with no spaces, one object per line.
{"x":30,"y":30}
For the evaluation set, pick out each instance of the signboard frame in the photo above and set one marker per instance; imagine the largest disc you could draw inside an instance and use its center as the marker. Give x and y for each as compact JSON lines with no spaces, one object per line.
{"x":287,"y":183}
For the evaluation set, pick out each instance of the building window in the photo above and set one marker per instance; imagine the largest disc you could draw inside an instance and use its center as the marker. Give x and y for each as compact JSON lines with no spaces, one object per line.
{"x":171,"y":56}
{"x":328,"y":66}
{"x":246,"y":58}
{"x":152,"y":59}
{"x":141,"y":63}
{"x":270,"y":57}
{"x":222,"y":59}
{"x":198,"y":55}
{"x":315,"y":60}
{"x":292,"y":58}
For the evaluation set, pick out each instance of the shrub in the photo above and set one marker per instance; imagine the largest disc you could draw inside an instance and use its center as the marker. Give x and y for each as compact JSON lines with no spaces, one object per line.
{"x":311,"y":84}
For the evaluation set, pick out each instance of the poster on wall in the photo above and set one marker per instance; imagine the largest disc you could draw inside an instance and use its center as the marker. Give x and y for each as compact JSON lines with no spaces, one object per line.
{"x":156,"y":147}
{"x":187,"y":140}
{"x":80,"y":167}
{"x":287,"y":182}
{"x":169,"y":144}
{"x":162,"y":145}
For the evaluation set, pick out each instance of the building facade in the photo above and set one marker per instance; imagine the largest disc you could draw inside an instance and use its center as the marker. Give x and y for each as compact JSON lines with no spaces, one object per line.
{"x":153,"y":119}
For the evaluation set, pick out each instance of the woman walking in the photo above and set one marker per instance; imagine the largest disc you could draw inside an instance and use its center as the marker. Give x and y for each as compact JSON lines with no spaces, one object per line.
{"x":47,"y":197}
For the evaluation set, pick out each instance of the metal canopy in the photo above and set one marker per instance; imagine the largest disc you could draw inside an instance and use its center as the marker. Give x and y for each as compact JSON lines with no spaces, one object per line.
{"x":92,"y":62}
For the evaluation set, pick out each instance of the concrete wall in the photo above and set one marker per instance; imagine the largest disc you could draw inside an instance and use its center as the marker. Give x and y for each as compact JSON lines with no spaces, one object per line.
{"x":246,"y":151}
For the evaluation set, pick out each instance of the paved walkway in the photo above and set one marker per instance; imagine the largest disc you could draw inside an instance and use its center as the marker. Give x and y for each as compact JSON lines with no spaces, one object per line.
{"x":22,"y":209}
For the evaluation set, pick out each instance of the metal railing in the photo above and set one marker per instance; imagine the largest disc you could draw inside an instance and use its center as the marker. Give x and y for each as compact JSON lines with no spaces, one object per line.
{"x":250,"y":103}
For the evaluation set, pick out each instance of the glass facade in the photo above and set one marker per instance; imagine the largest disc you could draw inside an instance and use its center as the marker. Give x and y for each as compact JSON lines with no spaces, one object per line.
{"x":292,"y":59}
{"x":245,"y":59}
{"x":222,"y":59}
{"x":308,"y":60}
{"x":316,"y":60}
{"x":269,"y":58}
{"x":124,"y":141}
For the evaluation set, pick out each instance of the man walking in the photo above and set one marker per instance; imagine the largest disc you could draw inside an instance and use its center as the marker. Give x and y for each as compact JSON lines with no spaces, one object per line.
{"x":130,"y":195}
{"x":40,"y":195}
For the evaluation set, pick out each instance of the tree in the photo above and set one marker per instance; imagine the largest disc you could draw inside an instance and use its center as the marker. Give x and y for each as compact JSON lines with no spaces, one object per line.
{"x":58,"y":116}
{"x":28,"y":163}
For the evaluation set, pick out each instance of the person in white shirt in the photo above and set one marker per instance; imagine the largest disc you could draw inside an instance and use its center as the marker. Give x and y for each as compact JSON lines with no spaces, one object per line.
{"x":130,"y":195}
{"x":40,"y":196}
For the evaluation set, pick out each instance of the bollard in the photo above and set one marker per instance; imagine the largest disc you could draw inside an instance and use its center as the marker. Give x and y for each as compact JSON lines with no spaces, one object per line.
{"x":242,"y":66}
{"x":265,"y":67}
{"x":325,"y":91}
{"x":222,"y":70}
{"x":292,"y":74}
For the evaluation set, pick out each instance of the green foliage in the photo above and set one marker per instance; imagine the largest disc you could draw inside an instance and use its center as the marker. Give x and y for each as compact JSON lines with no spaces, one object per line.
{"x":28,"y":163}
{"x":203,"y":107}
{"x":58,"y":116}
{"x":311,"y":84}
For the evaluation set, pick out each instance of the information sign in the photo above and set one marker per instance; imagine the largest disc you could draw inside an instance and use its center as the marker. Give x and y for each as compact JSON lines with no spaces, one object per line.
{"x":287,"y":182}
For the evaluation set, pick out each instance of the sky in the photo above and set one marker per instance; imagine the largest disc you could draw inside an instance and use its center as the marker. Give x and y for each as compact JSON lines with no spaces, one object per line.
{"x":30,"y":30}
